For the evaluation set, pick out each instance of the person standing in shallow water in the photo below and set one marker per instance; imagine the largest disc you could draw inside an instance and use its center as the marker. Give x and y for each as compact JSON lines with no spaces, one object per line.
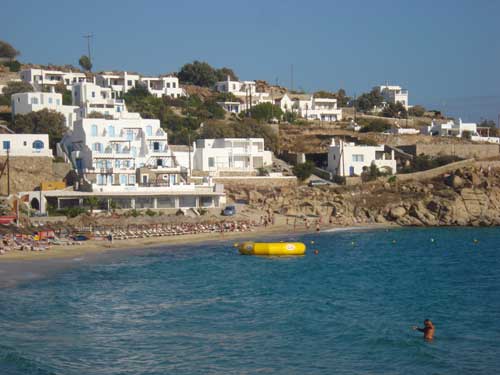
{"x":428,"y":329}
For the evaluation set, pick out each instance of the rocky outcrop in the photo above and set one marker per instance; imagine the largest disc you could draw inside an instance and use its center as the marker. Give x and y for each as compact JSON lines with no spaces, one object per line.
{"x":466,"y":197}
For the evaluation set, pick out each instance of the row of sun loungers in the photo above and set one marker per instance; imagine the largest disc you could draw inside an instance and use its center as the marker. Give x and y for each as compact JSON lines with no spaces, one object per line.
{"x":174,"y":230}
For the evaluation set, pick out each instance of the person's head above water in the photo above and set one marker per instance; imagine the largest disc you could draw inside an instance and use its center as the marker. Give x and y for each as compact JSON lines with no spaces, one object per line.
{"x":427,"y":323}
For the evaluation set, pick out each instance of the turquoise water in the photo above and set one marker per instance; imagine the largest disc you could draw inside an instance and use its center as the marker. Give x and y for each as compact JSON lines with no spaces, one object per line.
{"x":207,"y":310}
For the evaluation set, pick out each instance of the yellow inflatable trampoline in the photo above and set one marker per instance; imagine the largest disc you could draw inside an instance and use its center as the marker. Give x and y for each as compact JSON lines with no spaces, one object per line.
{"x":272,"y":248}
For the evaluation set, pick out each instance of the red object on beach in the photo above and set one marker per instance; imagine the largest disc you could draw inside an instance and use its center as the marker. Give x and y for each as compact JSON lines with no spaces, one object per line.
{"x":7,"y":219}
{"x":44,"y":234}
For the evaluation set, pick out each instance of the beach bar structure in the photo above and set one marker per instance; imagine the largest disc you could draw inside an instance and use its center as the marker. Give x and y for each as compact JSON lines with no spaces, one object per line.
{"x":181,"y":197}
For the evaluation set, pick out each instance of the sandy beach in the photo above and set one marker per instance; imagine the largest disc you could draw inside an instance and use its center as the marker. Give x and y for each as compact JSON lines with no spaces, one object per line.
{"x":18,"y":266}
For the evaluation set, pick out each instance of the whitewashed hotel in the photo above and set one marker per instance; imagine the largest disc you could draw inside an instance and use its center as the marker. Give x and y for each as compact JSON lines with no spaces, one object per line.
{"x":347,"y":159}
{"x":130,"y":162}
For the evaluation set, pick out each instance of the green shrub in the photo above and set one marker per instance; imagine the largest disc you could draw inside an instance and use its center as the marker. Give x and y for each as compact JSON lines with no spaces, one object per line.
{"x":375,"y":125}
{"x":14,"y":66}
{"x":150,"y":212}
{"x":304,"y":170}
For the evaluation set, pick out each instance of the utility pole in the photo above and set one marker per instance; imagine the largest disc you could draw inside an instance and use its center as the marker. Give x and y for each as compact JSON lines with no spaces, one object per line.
{"x":8,"y":171}
{"x":88,"y":37}
{"x":354,"y":105}
{"x":291,"y":77}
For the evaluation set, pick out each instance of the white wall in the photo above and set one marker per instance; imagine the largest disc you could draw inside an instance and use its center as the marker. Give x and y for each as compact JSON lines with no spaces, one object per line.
{"x":27,"y":102}
{"x":25,"y":145}
{"x":347,"y":159}
{"x":230,"y":154}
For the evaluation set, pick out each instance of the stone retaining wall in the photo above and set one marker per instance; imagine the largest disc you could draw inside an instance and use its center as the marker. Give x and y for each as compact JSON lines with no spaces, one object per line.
{"x":466,"y":151}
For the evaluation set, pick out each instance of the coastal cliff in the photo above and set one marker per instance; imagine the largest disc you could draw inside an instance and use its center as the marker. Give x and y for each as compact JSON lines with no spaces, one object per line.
{"x":468,"y":196}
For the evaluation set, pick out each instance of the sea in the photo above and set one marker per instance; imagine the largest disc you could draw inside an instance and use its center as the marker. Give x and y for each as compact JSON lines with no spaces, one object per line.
{"x":205,"y":309}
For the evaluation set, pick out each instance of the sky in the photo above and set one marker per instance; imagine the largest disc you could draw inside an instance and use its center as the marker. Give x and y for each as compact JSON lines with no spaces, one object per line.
{"x":447,"y":53}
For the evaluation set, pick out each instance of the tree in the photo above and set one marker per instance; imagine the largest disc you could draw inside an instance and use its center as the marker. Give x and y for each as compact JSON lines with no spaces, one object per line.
{"x":325,"y":94}
{"x":222,"y":74}
{"x":416,"y":111}
{"x":85,"y":63}
{"x":6,"y":50}
{"x":365,"y":102}
{"x":264,"y":112}
{"x":304,"y":170}
{"x":67,"y":98}
{"x":217,"y":129}
{"x":92,"y":202}
{"x":396,"y":110}
{"x":198,"y":73}
{"x":16,"y":87}
{"x":371,"y":173}
{"x":42,"y":122}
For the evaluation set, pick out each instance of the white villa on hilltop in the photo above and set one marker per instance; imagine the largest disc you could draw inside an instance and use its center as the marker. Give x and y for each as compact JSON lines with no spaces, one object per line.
{"x":245,"y":91}
{"x":394,"y":94}
{"x":347,"y":159}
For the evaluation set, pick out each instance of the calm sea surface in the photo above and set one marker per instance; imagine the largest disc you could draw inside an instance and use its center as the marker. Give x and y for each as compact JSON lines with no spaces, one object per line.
{"x":208,"y":310}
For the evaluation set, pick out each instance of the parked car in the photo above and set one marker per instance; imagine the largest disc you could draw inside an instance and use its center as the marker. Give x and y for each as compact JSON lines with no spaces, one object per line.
{"x":317,"y":183}
{"x":229,"y":211}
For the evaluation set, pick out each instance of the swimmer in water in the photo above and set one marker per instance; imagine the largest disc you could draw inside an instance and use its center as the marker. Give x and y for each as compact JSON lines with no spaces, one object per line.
{"x":428,"y":329}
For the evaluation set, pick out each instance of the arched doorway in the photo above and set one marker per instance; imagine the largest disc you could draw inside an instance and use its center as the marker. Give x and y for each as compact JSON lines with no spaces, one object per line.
{"x":35,"y":204}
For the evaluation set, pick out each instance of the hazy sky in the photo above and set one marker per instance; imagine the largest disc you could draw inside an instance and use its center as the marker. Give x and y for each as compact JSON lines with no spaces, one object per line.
{"x":437,"y":49}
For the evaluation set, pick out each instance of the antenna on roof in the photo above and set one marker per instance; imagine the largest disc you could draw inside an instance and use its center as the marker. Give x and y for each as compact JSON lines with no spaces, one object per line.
{"x":291,"y":77}
{"x":88,"y":37}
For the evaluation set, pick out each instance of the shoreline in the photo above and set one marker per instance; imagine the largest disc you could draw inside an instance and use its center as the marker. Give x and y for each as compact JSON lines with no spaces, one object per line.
{"x":99,"y":246}
{"x":23,"y":266}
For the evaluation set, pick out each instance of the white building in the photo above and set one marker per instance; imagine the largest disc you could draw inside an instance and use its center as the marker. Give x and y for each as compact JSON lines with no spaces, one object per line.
{"x":323,"y":109}
{"x":348,"y":159}
{"x":27,"y":102}
{"x":25,"y":145}
{"x":450,"y":129}
{"x":121,"y":82}
{"x":458,"y":129}
{"x":129,"y":161}
{"x":40,"y":78}
{"x":309,"y":107}
{"x":90,"y":97}
{"x":230,"y":155}
{"x":231,"y":107}
{"x":110,"y":152}
{"x":245,"y":91}
{"x":394,"y":94}
{"x":163,"y":86}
